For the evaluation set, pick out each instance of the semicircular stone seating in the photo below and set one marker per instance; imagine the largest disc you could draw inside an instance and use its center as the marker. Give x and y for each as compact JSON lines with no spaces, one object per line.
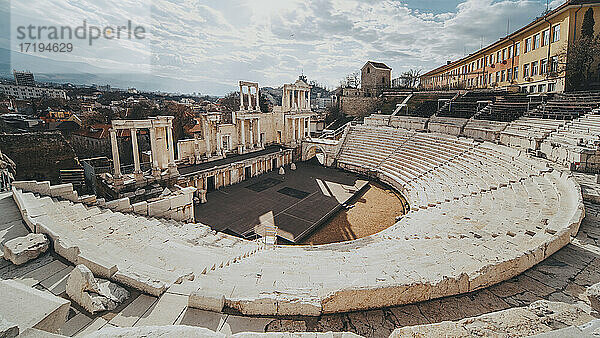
{"x":480,"y":214}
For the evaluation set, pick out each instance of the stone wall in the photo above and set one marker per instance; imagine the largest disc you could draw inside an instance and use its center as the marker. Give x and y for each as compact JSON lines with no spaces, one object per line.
{"x":358,"y":106}
{"x":450,"y":126}
{"x":408,"y":122}
{"x":575,"y":158}
{"x":7,"y":172}
{"x":39,"y":156}
{"x":178,"y":205}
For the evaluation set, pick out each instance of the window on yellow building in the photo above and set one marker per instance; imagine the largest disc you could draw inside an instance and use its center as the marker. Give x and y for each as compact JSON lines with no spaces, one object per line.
{"x":503,"y":76}
{"x":546,"y":37}
{"x":497,"y":77}
{"x":527,"y":45}
{"x":516,"y":72}
{"x":534,"y":68}
{"x":504,"y":54}
{"x":536,"y":41}
{"x":556,"y":33}
{"x":518,"y":49}
{"x":526,"y":71}
{"x":554,"y":64}
{"x":498,"y":57}
{"x":510,"y":52}
{"x":509,"y":75}
{"x":544,"y":66}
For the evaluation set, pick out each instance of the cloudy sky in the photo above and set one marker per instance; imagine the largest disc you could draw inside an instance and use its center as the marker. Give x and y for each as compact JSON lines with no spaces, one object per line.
{"x":206,"y":46}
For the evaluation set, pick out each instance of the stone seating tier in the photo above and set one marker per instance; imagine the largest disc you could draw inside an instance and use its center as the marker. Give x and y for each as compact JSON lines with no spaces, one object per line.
{"x":500,"y":229}
{"x":125,"y":248}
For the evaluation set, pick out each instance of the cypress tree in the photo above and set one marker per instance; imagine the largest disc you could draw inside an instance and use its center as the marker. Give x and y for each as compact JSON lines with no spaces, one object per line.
{"x":587,"y":27}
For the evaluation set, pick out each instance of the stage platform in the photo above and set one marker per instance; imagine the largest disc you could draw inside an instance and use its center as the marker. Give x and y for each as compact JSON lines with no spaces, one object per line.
{"x":207,"y":166}
{"x":298,"y":202}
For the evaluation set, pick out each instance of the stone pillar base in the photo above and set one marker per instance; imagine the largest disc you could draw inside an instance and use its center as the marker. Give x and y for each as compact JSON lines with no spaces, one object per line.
{"x":139,"y":176}
{"x":173,"y":170}
{"x":118,"y":181}
{"x":156,"y":172}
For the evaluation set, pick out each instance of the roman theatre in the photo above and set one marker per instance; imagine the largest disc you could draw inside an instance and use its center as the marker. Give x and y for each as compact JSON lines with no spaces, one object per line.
{"x":470,"y":212}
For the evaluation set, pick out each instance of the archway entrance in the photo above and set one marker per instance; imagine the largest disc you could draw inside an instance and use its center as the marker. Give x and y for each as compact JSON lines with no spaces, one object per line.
{"x":317,"y":154}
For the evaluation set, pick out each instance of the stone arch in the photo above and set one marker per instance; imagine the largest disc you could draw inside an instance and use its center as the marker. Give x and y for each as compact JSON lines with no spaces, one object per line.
{"x":314,"y":147}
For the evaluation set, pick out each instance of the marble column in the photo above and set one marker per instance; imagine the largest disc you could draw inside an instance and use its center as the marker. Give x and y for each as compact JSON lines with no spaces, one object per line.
{"x":257,"y":99}
{"x":260,"y":141}
{"x":219,"y":143}
{"x":153,"y":149}
{"x":172,"y":165}
{"x":249,"y":98}
{"x":207,"y":141}
{"x":295,"y":129}
{"x":243,"y":143}
{"x":251,"y":129}
{"x":137,"y":172}
{"x":115,"y":153}
{"x":241,"y":97}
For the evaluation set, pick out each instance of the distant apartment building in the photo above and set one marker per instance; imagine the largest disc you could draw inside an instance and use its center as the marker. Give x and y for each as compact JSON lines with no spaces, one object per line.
{"x":322,"y":103}
{"x":28,"y":92}
{"x":24,"y":78}
{"x":530,"y":58}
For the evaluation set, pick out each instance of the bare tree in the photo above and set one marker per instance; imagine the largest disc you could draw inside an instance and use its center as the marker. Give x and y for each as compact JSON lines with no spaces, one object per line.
{"x":351,"y":81}
{"x":410,"y":78}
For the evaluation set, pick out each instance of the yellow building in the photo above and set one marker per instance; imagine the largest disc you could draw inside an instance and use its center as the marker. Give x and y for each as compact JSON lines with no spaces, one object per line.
{"x":531,"y":58}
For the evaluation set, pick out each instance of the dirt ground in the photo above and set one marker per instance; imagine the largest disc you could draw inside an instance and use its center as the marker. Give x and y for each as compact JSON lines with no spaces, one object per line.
{"x":373,"y":212}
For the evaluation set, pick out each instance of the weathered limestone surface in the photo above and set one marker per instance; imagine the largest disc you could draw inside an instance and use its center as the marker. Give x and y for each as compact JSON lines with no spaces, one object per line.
{"x":208,"y":299}
{"x":588,"y":330}
{"x":94,"y":294}
{"x":20,"y":250}
{"x":189,"y":331}
{"x":593,"y":294}
{"x":8,"y":329}
{"x":36,"y":333}
{"x":539,"y":317}
{"x":31,"y":308}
